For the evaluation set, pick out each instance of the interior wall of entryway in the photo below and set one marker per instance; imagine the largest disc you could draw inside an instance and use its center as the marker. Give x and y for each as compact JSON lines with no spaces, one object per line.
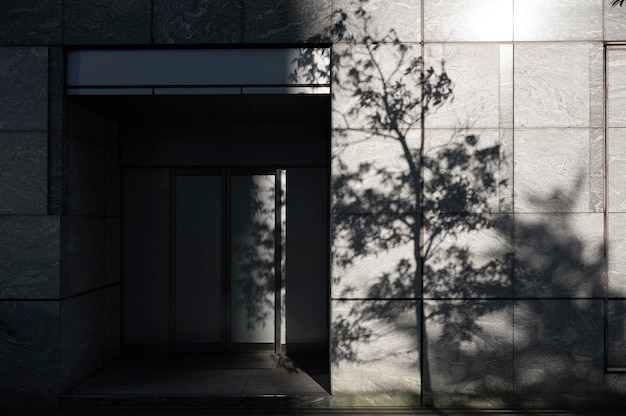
{"x":152,"y":150}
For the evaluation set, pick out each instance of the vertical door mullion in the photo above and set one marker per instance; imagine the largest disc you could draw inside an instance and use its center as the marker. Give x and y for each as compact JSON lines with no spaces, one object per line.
{"x":172,"y":271}
{"x":277,"y":261}
{"x":226,"y":258}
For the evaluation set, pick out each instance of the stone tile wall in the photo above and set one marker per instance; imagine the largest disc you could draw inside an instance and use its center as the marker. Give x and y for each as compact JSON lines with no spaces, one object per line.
{"x":30,"y":239}
{"x":500,"y":237}
{"x":91,"y":231}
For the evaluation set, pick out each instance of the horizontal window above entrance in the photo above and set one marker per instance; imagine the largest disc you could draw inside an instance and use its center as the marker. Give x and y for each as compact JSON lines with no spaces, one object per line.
{"x":199,"y":71}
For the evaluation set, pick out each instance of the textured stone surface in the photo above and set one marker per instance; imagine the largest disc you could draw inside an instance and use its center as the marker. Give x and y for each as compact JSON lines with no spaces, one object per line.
{"x":558,"y":353}
{"x":507,"y":167}
{"x":23,"y":173}
{"x":616,"y":88}
{"x":364,"y":75}
{"x":113,"y":250}
{"x":372,"y":173}
{"x":475,"y":72}
{"x":615,"y":389}
{"x":614,"y":22}
{"x":473,"y":20}
{"x":29,"y":257}
{"x":57,"y":108}
{"x":86,"y":123}
{"x":387,"y":20}
{"x":552,"y":170}
{"x":112,"y":322}
{"x":29,"y":22}
{"x":112,"y":183}
{"x":374,"y":347}
{"x":597,"y":170}
{"x":85,"y":177}
{"x":558,"y":85}
{"x":107,"y":21}
{"x":374,"y":256}
{"x":82,"y":337}
{"x":112,"y":134}
{"x":469,"y":353}
{"x":616,"y":169}
{"x":84,"y":239}
{"x":616,"y":247}
{"x":197,"y":21}
{"x":506,"y":86}
{"x":616,"y":333}
{"x":467,"y":171}
{"x":276,"y":21}
{"x":55,"y":172}
{"x":29,"y":353}
{"x":558,"y":20}
{"x":559,"y":255}
{"x":24,"y":86}
{"x":467,"y":256}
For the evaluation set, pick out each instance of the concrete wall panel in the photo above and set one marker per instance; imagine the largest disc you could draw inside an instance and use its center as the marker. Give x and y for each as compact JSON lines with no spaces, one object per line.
{"x":284,"y":21}
{"x":559,"y":255}
{"x":556,"y":20}
{"x":558,"y":351}
{"x":364,"y":74}
{"x":616,"y":255}
{"x":29,"y":353}
{"x":374,"y":256}
{"x":84,"y":261}
{"x":107,"y":22}
{"x":474,"y":20}
{"x":468,"y":171}
{"x":28,"y":22}
{"x":112,"y":322}
{"x":29,"y":257}
{"x":23,"y":172}
{"x":82,"y":332}
{"x":468,"y":256}
{"x":24,"y":86}
{"x":371,"y":172}
{"x":192,"y":21}
{"x":477,"y":99}
{"x":85,"y":177}
{"x":375,"y":353}
{"x":558,"y":85}
{"x":552,"y":170}
{"x":614,"y":23}
{"x":469,"y":353}
{"x":401,"y":19}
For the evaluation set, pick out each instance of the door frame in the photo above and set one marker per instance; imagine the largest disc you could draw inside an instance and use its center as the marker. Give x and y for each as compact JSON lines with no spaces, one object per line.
{"x":226,"y":174}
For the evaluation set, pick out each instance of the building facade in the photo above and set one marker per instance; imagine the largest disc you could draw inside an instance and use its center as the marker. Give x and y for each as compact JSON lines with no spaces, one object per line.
{"x":453,"y":172}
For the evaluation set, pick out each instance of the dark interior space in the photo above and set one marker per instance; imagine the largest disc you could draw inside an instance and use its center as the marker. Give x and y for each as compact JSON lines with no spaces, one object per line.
{"x":200,"y":174}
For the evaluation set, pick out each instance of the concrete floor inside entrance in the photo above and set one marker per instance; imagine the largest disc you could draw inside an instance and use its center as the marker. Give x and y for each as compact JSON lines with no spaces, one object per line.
{"x":202,"y":379}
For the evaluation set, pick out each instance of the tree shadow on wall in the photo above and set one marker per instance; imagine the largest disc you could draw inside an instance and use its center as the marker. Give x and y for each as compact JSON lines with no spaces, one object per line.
{"x":423,"y":250}
{"x":253,"y":258}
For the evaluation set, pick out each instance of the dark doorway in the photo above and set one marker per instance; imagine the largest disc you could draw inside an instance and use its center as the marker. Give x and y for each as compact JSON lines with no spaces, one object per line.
{"x":215,"y":260}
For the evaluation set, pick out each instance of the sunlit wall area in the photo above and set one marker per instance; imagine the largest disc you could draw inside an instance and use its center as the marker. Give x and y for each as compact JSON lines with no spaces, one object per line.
{"x":473,"y":201}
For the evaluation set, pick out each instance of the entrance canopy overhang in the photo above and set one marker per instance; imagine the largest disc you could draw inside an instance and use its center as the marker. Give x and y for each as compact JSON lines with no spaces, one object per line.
{"x":198,"y":71}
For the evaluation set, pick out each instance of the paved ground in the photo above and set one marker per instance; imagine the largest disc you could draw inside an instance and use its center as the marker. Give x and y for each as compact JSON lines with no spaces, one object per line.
{"x":297,"y":412}
{"x":234,"y":384}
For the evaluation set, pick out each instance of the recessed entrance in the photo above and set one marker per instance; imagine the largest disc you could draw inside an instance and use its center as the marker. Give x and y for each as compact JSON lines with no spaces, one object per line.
{"x":225,"y":230}
{"x":225,"y":215}
{"x":209,"y":262}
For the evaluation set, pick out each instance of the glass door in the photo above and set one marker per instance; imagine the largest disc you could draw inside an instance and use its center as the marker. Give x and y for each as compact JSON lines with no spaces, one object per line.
{"x":230,"y":260}
{"x":199,"y":250}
